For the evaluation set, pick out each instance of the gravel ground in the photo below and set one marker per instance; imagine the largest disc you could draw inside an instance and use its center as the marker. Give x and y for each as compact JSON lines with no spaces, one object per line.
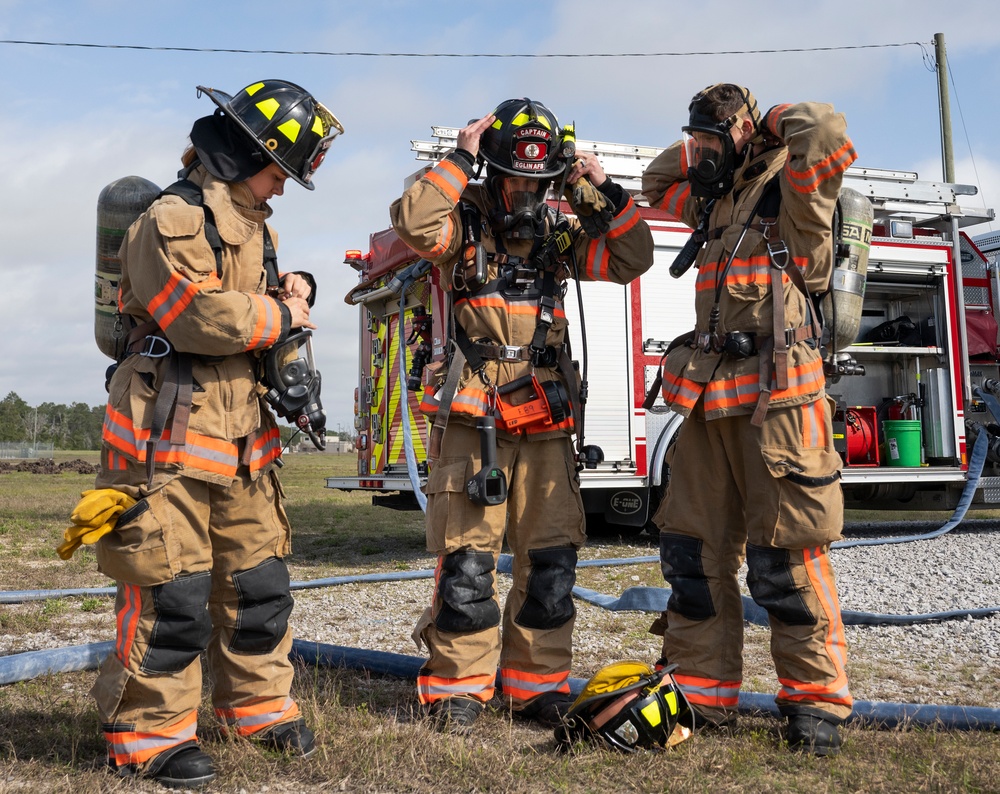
{"x":942,"y":662}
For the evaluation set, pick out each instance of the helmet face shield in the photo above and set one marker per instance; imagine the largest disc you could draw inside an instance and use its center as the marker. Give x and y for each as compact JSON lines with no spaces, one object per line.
{"x":330,"y":129}
{"x":711,"y":158}
{"x":706,"y":151}
{"x":518,"y":203}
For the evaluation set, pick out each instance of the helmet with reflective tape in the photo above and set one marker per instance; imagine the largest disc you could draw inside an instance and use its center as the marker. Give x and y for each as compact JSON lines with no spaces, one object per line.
{"x":285,"y":121}
{"x":525,"y":140}
{"x":627,"y":706}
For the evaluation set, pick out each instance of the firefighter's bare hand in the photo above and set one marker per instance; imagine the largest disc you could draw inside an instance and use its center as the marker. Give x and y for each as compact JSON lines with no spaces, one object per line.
{"x":299,"y":310}
{"x":468,"y":136}
{"x":587,"y":166}
{"x":295,"y":286}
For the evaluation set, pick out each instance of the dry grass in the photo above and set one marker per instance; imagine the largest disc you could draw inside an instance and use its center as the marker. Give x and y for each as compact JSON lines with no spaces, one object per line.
{"x":370,"y":740}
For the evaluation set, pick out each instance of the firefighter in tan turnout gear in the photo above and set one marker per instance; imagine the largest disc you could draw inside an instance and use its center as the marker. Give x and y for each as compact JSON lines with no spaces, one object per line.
{"x":507,"y":403}
{"x":198,"y":559}
{"x":754,"y":473}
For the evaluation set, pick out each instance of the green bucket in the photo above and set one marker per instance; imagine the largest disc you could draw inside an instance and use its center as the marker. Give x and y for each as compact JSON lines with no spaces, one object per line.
{"x":902,"y":442}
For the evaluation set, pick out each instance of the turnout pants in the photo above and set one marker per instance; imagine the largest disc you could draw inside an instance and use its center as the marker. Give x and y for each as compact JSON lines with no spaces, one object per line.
{"x":543,"y":517}
{"x":199,"y":568}
{"x":770,"y":496}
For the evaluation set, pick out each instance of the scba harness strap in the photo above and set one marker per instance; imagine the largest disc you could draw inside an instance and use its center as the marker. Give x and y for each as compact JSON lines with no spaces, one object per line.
{"x":147,"y":339}
{"x":772,"y":350}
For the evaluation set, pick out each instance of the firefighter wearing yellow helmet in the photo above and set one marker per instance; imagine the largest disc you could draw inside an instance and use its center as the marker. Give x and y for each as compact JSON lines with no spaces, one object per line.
{"x":504,"y":255}
{"x":198,"y":548}
{"x":754,"y":470}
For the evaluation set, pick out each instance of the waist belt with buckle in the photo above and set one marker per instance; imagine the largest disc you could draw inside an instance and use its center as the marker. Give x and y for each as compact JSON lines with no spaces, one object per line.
{"x":490,"y":351}
{"x":793,"y":336}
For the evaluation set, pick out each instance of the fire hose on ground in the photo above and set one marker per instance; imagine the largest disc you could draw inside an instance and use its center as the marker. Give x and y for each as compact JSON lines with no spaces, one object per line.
{"x":33,"y":664}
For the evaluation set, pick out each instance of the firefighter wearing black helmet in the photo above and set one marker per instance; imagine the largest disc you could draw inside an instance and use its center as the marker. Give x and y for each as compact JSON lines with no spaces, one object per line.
{"x":199,"y":557}
{"x":753,"y":473}
{"x":510,"y":323}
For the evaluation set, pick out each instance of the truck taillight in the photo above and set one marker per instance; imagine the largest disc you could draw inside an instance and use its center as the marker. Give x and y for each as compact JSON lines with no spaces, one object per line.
{"x":362,"y":441}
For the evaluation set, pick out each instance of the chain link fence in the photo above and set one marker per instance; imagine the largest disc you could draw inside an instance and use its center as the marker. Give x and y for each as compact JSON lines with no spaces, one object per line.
{"x":25,"y":449}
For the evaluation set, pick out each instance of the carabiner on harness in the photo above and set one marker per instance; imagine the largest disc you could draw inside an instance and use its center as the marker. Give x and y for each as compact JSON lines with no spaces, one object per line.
{"x":155,"y":347}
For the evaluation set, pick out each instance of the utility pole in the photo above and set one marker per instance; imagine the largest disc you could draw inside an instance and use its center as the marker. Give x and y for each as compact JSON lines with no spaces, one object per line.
{"x":944,"y":108}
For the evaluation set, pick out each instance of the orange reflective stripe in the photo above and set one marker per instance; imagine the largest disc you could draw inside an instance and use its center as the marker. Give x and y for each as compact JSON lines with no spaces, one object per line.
{"x":265,"y":449}
{"x":804,"y":379}
{"x":524,"y":686}
{"x":814,"y":425}
{"x":676,"y":198}
{"x":510,"y":307}
{"x":449,"y":178}
{"x":681,"y":391}
{"x":127,"y":621}
{"x":213,"y":455}
{"x":807,"y":181}
{"x":176,"y":295}
{"x":268,"y":326}
{"x":598,"y":259}
{"x":431,"y":687}
{"x":731,"y":393}
{"x":709,"y":692}
{"x":624,"y":221}
{"x":248,"y":720}
{"x":774,"y":114}
{"x":817,"y":563}
{"x":134,"y":747}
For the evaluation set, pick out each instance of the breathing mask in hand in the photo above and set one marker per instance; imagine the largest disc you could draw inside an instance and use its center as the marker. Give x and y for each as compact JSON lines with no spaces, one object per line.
{"x":293,"y":385}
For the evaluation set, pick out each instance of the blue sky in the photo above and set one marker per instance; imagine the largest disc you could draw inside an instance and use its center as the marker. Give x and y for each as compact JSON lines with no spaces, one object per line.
{"x":75,"y":119}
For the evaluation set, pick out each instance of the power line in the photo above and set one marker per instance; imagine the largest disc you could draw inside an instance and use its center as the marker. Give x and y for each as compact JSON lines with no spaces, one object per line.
{"x":456,"y":54}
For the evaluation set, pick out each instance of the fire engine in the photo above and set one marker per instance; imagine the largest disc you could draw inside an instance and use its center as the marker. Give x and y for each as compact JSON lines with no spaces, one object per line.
{"x":912,"y":390}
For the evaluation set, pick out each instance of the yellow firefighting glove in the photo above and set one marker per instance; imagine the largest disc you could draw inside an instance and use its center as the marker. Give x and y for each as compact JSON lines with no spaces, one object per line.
{"x":591,"y":206}
{"x":93,"y":517}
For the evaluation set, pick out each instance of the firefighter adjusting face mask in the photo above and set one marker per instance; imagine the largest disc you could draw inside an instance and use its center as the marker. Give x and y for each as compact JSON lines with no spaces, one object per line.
{"x":518,"y":200}
{"x":712,"y":159}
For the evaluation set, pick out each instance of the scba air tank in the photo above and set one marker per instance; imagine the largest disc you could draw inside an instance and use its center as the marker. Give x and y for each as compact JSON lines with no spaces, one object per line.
{"x":119,"y":204}
{"x":852,"y":240}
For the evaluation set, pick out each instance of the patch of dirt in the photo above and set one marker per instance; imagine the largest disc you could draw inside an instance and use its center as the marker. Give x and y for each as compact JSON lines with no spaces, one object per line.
{"x":49,"y":466}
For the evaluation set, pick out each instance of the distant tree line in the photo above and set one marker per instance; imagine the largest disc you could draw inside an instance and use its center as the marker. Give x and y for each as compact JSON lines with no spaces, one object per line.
{"x":77,"y":426}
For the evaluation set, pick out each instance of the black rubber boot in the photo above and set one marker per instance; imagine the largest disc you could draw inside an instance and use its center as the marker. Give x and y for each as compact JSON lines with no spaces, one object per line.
{"x":713,"y":723}
{"x":811,"y":734}
{"x":293,"y":738}
{"x":548,"y":709}
{"x":455,"y":714}
{"x":182,"y":766}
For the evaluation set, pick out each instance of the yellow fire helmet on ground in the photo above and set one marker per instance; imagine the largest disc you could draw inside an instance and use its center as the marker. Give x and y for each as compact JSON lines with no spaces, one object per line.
{"x":627,"y":706}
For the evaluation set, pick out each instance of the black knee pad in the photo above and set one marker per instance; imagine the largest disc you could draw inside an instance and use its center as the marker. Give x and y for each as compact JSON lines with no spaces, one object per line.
{"x":769,"y":577}
{"x":680,"y":561}
{"x":549,"y":602}
{"x":465,"y":587}
{"x":183,"y":625}
{"x":264,"y":606}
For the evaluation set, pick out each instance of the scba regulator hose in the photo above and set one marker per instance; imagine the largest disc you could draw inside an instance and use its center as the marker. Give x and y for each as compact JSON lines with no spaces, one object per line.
{"x":26,"y":666}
